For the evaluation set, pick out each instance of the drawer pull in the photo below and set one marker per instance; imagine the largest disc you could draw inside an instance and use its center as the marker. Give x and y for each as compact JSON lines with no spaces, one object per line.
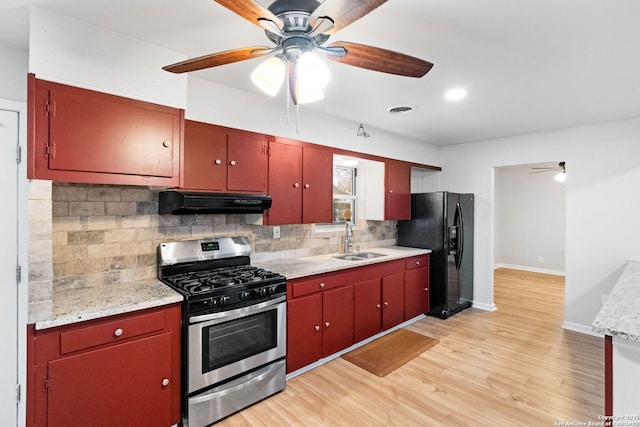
{"x":118,"y":332}
{"x":165,"y":382}
{"x":322,"y":285}
{"x":426,"y":289}
{"x":378,"y":306}
{"x":417,"y":262}
{"x":327,"y":324}
{"x":386,"y":303}
{"x":218,"y":162}
{"x":317,"y":328}
{"x":232,"y":162}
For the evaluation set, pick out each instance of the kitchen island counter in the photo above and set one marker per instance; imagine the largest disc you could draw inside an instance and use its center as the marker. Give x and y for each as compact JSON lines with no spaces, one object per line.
{"x":620,"y":314}
{"x":293,"y":268}
{"x":77,"y":305}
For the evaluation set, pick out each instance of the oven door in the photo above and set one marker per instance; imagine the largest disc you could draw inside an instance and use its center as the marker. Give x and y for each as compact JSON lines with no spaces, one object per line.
{"x":225,"y":344}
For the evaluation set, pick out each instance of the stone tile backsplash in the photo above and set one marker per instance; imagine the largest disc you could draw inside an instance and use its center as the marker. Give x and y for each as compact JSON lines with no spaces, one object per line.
{"x":103,"y":234}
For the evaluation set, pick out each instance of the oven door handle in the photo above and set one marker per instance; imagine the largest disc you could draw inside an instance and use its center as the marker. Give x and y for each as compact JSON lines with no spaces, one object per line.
{"x":239,"y":312}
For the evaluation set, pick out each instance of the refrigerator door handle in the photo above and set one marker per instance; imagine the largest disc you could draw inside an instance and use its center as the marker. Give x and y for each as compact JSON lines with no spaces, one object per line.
{"x":460,"y":235}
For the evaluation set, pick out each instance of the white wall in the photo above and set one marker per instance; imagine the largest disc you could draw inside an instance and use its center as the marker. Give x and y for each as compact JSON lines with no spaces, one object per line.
{"x":69,"y":51}
{"x":602,"y":199}
{"x":13,"y":73}
{"x":212,"y":103}
{"x":529,"y":220}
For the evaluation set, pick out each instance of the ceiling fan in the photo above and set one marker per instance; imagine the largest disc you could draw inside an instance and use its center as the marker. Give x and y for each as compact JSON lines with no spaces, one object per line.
{"x":297,"y":27}
{"x":561,"y":176}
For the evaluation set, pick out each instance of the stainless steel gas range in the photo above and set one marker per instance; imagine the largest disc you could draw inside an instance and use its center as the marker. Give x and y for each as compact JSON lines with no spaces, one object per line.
{"x":234,"y":326}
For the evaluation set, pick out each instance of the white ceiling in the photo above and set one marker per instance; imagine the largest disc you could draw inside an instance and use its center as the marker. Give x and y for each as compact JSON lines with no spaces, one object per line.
{"x":527,"y":65}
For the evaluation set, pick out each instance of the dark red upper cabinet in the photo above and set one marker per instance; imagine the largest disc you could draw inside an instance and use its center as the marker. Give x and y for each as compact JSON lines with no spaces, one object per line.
{"x":397,"y":190}
{"x":79,"y":135}
{"x":285,"y":184}
{"x":217,"y":158}
{"x":300,"y":184}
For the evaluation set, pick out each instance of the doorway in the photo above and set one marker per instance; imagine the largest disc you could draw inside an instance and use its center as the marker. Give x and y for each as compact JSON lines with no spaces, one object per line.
{"x":529,"y":218}
{"x":13,"y":304}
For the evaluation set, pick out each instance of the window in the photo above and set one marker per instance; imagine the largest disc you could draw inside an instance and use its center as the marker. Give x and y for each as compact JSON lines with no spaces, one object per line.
{"x":344,"y":194}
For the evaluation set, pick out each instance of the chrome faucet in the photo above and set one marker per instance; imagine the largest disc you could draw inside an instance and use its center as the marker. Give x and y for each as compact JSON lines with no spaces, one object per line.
{"x":348,"y":233}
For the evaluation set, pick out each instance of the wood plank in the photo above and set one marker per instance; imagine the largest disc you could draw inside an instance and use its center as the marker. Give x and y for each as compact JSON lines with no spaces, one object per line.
{"x":514,"y":366}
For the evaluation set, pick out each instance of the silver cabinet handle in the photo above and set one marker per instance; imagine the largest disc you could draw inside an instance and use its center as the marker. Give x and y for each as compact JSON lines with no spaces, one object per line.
{"x":327,"y":324}
{"x":386,"y":303}
{"x":417,"y":262}
{"x":426,"y":289}
{"x":322,"y":285}
{"x":118,"y":332}
{"x":218,"y":162}
{"x":307,"y":186}
{"x":165,"y":382}
{"x":166,"y":144}
{"x":317,"y":328}
{"x":232,"y":162}
{"x":296,"y":185}
{"x":378,"y":306}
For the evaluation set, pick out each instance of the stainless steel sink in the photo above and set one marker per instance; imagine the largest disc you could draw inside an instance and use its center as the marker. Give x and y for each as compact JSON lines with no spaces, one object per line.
{"x":358,"y":256}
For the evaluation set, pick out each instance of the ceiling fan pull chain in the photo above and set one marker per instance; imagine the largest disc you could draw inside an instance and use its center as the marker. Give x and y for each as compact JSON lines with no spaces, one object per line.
{"x":297,"y":118}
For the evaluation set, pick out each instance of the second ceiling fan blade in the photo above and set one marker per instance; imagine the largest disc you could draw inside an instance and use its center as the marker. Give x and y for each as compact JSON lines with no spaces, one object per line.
{"x":250,"y":10}
{"x":216,"y":59}
{"x":344,"y":12}
{"x":378,"y":59}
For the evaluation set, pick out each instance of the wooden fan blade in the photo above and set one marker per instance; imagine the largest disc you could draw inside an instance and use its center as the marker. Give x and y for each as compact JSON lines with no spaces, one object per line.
{"x":250,"y":10}
{"x":216,"y":59}
{"x":378,"y":59}
{"x":344,"y":12}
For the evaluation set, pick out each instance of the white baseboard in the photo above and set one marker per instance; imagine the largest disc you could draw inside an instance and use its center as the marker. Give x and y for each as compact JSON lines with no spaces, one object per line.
{"x":484,"y":306}
{"x":583,"y":329}
{"x":531,"y":269}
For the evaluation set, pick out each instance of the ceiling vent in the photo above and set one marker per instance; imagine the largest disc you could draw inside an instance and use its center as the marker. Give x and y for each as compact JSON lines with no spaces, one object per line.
{"x":400,"y":109}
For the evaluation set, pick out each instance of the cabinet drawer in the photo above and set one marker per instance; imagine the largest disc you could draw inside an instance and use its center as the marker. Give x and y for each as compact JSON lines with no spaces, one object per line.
{"x":110,"y":332}
{"x":416,"y":262}
{"x":318,"y":284}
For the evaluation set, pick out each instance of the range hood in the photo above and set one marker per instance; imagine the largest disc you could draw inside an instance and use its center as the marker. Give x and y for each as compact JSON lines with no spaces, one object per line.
{"x":193,"y":202}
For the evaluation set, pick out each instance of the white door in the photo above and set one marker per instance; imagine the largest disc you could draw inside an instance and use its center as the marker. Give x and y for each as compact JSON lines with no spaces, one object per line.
{"x":9,"y":303}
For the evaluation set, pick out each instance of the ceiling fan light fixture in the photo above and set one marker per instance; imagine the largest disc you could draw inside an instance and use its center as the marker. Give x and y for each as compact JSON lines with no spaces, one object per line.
{"x":311,"y":69}
{"x":269,"y":75}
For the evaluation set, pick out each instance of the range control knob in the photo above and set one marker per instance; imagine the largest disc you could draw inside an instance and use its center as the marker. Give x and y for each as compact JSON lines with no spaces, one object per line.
{"x":263,"y":292}
{"x":223,"y":300}
{"x":212,"y":302}
{"x":273,"y":289}
{"x":245,"y":295}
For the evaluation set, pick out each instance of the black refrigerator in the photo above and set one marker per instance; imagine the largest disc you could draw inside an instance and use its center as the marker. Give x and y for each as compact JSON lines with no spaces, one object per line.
{"x":443,"y":222}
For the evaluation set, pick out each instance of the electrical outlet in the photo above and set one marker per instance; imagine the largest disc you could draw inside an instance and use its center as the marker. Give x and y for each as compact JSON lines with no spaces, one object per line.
{"x":276,"y":232}
{"x":540,"y":259}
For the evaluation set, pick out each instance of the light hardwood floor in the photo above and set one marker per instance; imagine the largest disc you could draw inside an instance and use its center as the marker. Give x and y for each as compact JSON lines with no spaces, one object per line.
{"x":512,"y":367}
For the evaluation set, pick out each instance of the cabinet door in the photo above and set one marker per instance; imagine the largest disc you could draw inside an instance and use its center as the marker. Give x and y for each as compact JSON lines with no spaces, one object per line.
{"x":337,"y":317}
{"x":416,"y":292}
{"x":120,"y":385}
{"x":204,"y":157}
{"x":367,"y":309}
{"x":392,"y":300}
{"x":285,"y":184}
{"x":247,"y":162}
{"x":79,"y":135}
{"x":398,"y":190}
{"x":317,"y":192}
{"x":304,"y":333}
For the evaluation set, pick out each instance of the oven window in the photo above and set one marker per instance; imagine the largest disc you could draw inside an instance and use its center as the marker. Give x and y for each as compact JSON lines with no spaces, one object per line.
{"x":238,"y":339}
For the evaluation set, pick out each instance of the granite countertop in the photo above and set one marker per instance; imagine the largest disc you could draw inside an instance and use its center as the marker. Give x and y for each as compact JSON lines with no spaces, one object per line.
{"x":620,"y":314}
{"x":77,"y":305}
{"x":293,"y":268}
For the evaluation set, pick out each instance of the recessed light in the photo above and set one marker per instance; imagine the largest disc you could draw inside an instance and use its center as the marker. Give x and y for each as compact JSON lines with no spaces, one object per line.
{"x":455,"y":94}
